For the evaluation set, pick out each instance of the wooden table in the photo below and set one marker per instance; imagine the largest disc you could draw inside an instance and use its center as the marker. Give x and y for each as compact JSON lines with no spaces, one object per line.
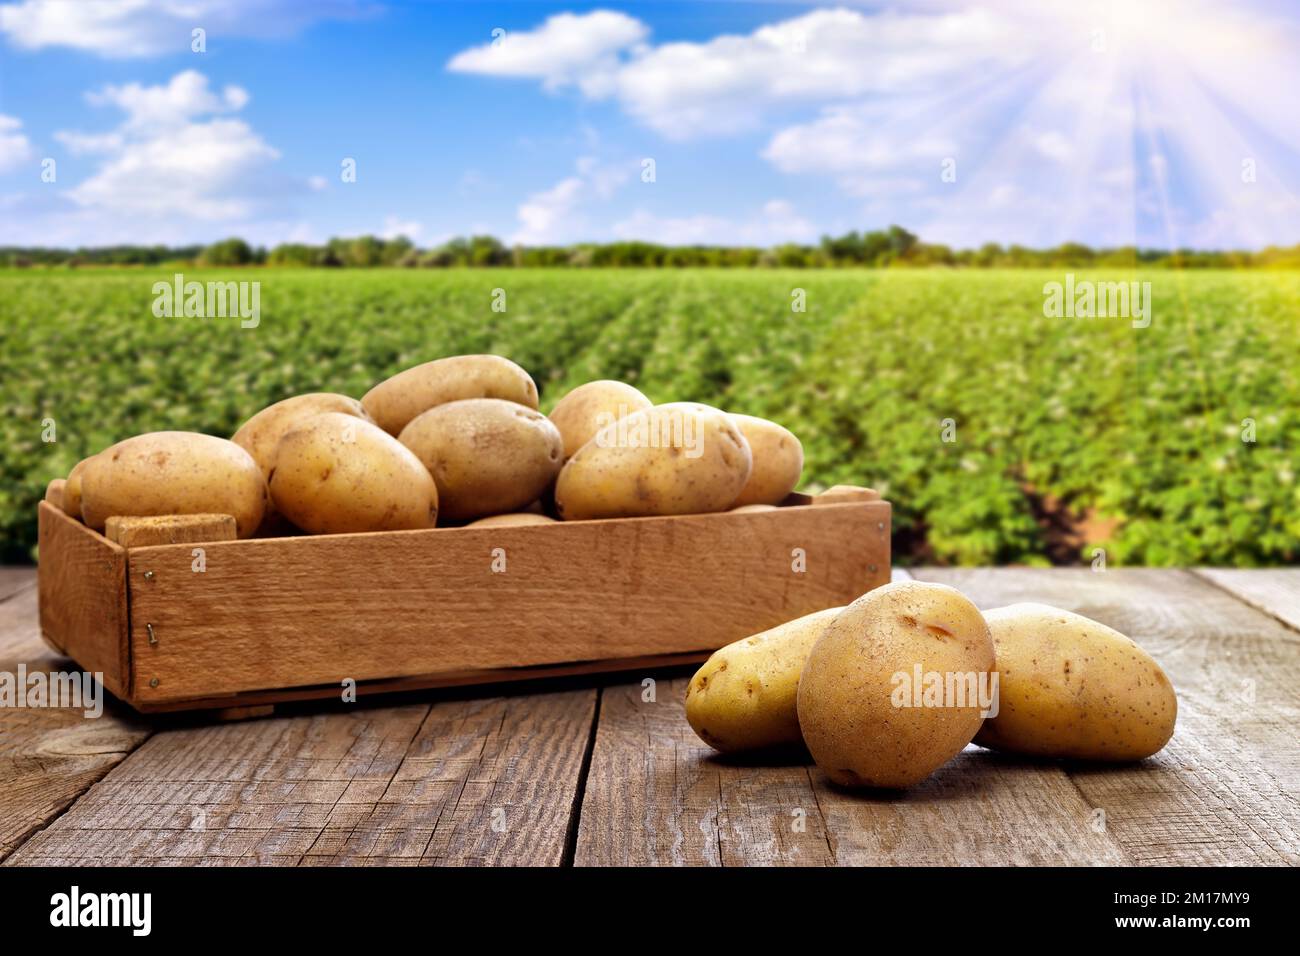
{"x":604,"y":772}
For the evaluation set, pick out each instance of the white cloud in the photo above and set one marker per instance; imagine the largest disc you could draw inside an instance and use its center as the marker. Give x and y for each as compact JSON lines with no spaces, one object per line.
{"x":317,"y":184}
{"x":201,"y":170}
{"x":15,"y":147}
{"x":877,"y":100}
{"x":542,"y":214}
{"x":175,"y":155}
{"x":732,"y":82}
{"x":776,"y":222}
{"x":395,"y":226}
{"x":729,"y":83}
{"x":603,"y":179}
{"x":578,"y":49}
{"x":185,"y":96}
{"x":865,"y":149}
{"x":556,"y":215}
{"x":1249,"y":220}
{"x":136,"y":28}
{"x":82,"y":143}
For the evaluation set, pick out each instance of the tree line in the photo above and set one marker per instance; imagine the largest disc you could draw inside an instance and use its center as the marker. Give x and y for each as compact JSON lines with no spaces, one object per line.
{"x":878,"y":248}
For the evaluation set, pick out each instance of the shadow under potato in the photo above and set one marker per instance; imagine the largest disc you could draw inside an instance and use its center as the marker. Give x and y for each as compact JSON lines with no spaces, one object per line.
{"x":965,"y":775}
{"x":784,"y":755}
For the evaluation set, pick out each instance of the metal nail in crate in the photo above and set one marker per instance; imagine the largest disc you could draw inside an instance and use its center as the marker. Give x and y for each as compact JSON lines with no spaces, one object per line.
{"x":271,"y":620}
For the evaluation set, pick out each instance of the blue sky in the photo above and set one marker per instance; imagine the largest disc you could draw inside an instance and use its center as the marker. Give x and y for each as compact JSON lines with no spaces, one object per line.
{"x":1156,"y":123}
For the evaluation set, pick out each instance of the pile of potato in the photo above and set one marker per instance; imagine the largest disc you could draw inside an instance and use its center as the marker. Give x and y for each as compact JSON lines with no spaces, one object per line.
{"x":455,"y":441}
{"x":1068,"y":687}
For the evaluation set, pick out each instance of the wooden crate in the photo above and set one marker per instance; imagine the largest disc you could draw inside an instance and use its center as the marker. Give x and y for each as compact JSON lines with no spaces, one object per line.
{"x":280,"y":619}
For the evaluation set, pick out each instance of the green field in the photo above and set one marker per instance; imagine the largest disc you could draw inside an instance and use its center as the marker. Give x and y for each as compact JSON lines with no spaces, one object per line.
{"x":1070,"y":433}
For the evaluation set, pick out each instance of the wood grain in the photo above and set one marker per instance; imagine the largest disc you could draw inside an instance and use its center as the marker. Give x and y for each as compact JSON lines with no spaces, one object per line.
{"x":83,"y":607}
{"x":1223,"y":790}
{"x":284,"y":613}
{"x":48,"y":756}
{"x":14,"y":580}
{"x":656,"y":795}
{"x":490,"y":781}
{"x":1275,"y":591}
{"x":141,"y":532}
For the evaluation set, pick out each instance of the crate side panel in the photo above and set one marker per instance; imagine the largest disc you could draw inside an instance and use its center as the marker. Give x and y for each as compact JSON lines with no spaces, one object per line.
{"x":83,"y":606}
{"x":292,"y":612}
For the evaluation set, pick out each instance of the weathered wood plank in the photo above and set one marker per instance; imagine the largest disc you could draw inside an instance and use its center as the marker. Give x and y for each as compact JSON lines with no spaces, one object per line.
{"x":13,"y":580}
{"x":657,"y":795}
{"x":48,"y":756}
{"x":489,"y":781}
{"x":1223,"y":790}
{"x":83,"y":605}
{"x":980,"y":809}
{"x":1275,"y":591}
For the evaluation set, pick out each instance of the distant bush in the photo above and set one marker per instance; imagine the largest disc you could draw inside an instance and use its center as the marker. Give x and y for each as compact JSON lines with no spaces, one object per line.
{"x":880,"y":248}
{"x":228,"y":252}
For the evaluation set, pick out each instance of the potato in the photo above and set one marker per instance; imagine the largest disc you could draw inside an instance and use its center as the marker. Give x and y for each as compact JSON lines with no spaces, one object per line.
{"x":72,"y":490}
{"x":173,"y":473}
{"x":486,"y":455}
{"x":54,"y":492}
{"x":395,"y":401}
{"x":743,"y":698}
{"x":778,"y":461}
{"x":1071,"y":687}
{"x":680,"y":458}
{"x":336,"y":473}
{"x":896,"y":685}
{"x":260,"y":434}
{"x":510,"y":520}
{"x":589,"y":408}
